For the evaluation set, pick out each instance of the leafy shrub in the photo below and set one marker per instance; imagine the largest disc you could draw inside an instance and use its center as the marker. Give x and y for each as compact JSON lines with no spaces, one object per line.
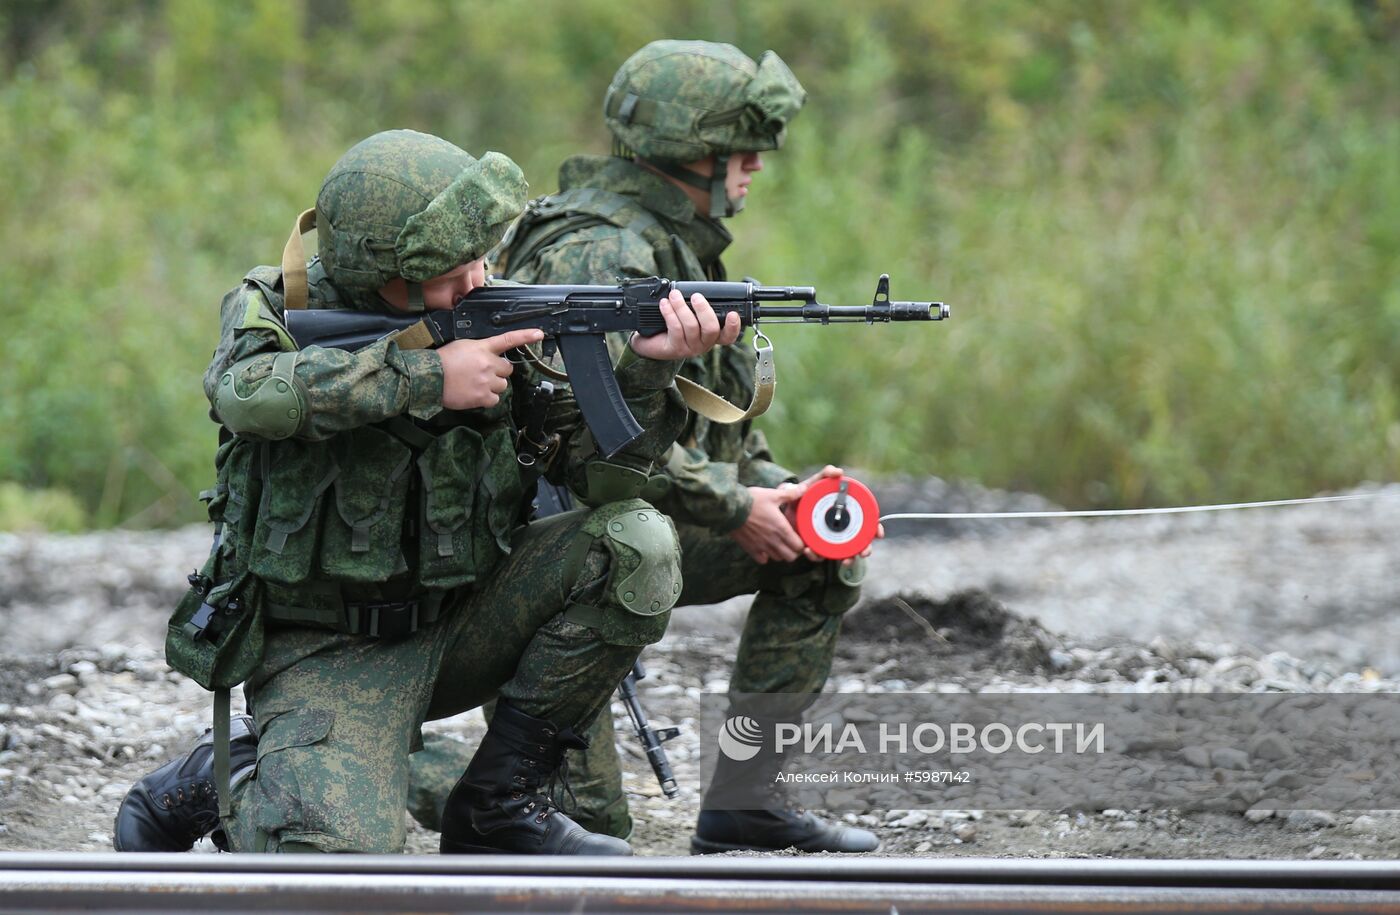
{"x":1170,"y":233}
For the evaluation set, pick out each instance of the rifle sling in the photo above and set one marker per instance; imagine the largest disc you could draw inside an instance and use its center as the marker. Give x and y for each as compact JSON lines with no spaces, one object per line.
{"x":416,"y":336}
{"x":221,"y":753}
{"x":294,"y":286}
{"x":718,"y":410}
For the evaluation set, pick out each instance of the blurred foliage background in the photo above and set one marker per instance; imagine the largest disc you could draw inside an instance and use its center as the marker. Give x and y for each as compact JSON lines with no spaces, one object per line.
{"x":1169,"y":231}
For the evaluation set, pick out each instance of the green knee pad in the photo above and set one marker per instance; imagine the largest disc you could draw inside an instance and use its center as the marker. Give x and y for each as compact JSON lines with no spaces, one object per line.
{"x":643,"y":574}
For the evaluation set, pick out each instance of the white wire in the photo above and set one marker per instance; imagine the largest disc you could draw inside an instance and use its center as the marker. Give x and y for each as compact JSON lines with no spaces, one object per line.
{"x":1119,"y":512}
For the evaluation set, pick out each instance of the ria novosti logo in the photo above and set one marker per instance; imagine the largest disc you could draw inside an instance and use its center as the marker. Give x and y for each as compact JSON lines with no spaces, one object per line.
{"x":741,"y":738}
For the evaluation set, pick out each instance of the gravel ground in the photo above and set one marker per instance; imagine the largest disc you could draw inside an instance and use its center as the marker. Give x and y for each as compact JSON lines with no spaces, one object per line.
{"x":1297,"y":599}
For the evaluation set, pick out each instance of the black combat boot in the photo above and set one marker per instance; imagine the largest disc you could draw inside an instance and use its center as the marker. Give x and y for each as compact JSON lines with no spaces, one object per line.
{"x":747,"y":809}
{"x":178,"y":804}
{"x":500,"y":804}
{"x":774,"y":829}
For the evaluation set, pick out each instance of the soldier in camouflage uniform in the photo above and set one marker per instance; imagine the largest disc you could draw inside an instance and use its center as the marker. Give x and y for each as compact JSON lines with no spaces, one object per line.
{"x":375,"y":568}
{"x":690,"y":119}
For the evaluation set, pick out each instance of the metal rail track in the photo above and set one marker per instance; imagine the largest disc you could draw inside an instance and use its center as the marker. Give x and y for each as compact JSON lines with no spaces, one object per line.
{"x":35,"y":882}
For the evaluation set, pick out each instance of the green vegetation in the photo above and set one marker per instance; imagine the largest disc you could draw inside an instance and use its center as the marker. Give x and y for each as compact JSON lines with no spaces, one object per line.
{"x":1170,"y":232}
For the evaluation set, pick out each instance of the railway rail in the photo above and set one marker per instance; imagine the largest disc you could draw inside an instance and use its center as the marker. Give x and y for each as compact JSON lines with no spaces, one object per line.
{"x":38,"y":882}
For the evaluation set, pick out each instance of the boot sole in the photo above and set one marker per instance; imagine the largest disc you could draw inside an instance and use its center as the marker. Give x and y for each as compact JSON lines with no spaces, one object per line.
{"x":699,"y":846}
{"x":459,"y":848}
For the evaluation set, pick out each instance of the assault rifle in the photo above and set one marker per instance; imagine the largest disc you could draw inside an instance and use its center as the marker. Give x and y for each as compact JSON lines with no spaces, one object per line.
{"x":651,"y":738}
{"x":576,"y":320}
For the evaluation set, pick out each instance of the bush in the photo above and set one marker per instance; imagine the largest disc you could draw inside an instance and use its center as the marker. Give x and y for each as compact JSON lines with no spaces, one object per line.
{"x":1170,"y":232}
{"x":28,"y":510}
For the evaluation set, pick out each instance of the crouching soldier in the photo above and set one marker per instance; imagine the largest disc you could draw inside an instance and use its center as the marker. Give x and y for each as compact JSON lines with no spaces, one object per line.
{"x":374,"y":567}
{"x":691,"y":121}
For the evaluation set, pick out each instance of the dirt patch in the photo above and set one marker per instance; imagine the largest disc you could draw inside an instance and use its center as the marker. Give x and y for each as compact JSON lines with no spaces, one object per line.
{"x":968,"y":631}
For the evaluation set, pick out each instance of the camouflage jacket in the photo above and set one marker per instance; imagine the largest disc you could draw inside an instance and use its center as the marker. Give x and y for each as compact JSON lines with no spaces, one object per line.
{"x":380,"y":492}
{"x":613,"y":218}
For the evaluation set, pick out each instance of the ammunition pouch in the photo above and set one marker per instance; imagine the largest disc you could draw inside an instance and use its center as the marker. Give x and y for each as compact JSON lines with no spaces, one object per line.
{"x":473,"y":497}
{"x":366,"y":534}
{"x":215,"y":636}
{"x":372,"y":504}
{"x":287,"y":526}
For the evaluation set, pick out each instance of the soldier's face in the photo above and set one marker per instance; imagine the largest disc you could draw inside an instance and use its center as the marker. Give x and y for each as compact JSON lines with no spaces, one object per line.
{"x":737,"y":179}
{"x":441,"y":292}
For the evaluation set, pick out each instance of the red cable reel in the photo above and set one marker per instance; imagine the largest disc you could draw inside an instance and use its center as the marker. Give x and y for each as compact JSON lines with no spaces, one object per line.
{"x":837,"y":518}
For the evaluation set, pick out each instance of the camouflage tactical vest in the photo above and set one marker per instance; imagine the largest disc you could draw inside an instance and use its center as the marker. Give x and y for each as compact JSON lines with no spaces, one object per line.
{"x":549,"y":219}
{"x":321,"y":532}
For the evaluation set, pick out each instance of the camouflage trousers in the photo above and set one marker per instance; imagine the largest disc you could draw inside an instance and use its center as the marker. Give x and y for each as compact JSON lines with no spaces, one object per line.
{"x":787,"y":644}
{"x":339,"y":715}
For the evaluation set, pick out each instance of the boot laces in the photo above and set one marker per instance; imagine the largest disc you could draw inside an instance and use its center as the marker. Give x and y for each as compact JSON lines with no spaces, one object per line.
{"x":192,"y":793}
{"x":546,"y":793}
{"x":542,"y":793}
{"x":557,"y":779}
{"x":569,"y":739}
{"x":198,"y":794}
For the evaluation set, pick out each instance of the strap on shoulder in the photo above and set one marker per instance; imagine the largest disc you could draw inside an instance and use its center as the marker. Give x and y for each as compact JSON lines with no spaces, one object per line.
{"x":550,"y":218}
{"x":294,"y":262}
{"x":616,"y":209}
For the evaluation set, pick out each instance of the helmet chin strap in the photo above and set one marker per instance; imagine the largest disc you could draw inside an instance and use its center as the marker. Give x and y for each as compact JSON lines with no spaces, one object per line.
{"x":720,"y":205}
{"x":713,"y":184}
{"x":415,"y":298}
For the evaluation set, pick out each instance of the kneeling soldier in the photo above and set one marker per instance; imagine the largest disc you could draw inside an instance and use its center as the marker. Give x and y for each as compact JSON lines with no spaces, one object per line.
{"x":374,"y":568}
{"x":691,"y":120}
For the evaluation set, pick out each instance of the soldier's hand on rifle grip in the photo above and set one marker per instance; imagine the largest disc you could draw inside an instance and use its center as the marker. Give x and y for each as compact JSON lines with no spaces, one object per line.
{"x":692,"y":329}
{"x":475,"y":373}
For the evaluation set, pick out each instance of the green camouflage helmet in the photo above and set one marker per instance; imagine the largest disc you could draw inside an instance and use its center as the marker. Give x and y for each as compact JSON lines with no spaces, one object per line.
{"x":412,"y":205}
{"x":675,"y":102}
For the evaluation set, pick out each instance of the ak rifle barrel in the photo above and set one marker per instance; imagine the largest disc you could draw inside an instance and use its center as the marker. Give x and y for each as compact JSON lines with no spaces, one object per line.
{"x":816,"y":312}
{"x":729,"y":296}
